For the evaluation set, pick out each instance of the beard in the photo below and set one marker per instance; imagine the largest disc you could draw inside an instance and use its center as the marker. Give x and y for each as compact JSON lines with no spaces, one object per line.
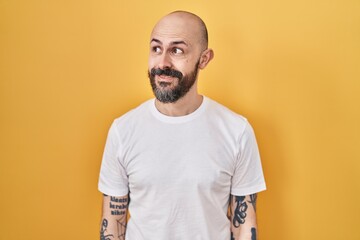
{"x":166,"y":93}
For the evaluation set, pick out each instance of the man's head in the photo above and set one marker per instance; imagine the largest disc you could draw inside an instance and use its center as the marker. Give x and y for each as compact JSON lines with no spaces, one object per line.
{"x":178,"y":49}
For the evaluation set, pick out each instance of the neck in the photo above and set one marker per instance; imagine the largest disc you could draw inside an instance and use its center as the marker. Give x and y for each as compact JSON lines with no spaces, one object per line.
{"x":184,"y":106}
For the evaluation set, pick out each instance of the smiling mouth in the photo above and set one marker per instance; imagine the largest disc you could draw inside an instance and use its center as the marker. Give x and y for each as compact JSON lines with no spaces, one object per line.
{"x":165,"y":81}
{"x":165,"y":78}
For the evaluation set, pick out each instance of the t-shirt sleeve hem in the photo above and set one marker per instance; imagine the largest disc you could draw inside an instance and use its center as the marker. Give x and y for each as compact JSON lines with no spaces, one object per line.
{"x":111,"y":192}
{"x":248,"y":190}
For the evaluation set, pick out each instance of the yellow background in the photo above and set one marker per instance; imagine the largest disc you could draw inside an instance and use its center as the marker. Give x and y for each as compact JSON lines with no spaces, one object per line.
{"x":68,"y":68}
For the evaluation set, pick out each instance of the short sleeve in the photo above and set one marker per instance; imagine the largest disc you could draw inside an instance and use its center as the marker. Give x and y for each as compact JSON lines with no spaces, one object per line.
{"x":113,"y":180}
{"x":248,"y":176}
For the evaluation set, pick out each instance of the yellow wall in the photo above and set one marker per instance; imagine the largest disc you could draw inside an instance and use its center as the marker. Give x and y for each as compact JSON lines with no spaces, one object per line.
{"x":68,"y":68}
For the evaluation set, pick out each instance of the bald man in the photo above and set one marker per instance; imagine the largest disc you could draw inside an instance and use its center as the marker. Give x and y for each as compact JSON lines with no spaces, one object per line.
{"x":184,"y":166}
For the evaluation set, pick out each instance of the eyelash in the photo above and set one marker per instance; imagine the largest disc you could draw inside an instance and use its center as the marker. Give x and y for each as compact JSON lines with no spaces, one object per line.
{"x":174,"y":50}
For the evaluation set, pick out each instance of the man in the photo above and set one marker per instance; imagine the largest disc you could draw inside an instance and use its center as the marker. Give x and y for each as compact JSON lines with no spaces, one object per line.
{"x":176,"y":160}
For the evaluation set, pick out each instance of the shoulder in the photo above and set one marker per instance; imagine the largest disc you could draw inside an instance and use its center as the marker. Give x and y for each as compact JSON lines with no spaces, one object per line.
{"x":133,"y":116}
{"x":224,"y":114}
{"x":228,"y":123}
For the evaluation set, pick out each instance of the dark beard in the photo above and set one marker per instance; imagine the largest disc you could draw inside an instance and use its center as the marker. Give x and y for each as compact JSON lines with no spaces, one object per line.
{"x":171,"y":95}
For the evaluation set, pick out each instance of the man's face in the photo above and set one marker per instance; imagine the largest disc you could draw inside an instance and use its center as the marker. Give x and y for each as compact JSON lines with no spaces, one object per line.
{"x":175,"y":51}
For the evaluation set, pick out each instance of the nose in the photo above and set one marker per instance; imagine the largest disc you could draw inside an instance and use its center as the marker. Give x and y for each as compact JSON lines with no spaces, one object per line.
{"x":164,"y":61}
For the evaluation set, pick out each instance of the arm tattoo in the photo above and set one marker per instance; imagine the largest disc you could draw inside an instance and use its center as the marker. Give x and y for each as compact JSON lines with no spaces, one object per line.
{"x":239,"y":211}
{"x":253,"y":198}
{"x":253,"y":233}
{"x":103,"y":230}
{"x":121,"y":228}
{"x":118,"y":206}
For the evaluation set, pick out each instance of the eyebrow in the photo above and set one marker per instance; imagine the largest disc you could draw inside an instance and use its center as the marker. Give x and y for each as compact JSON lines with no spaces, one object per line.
{"x":171,"y":43}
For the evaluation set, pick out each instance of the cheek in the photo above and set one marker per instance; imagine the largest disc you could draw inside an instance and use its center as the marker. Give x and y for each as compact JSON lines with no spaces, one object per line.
{"x":187,"y":67}
{"x":150,"y":63}
{"x":182,"y":64}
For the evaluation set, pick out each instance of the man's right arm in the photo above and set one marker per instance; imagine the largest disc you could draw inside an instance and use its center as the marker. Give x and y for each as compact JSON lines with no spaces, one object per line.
{"x":114,"y":214}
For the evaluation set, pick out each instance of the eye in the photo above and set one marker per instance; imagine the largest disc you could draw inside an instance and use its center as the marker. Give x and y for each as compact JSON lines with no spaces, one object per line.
{"x":156,"y":49}
{"x":177,"y":51}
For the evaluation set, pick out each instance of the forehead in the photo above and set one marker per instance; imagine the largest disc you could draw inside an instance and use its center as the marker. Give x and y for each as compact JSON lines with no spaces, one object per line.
{"x":177,"y":28}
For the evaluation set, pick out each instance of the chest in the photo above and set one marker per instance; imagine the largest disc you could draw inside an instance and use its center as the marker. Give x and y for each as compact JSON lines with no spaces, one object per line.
{"x":179,"y":159}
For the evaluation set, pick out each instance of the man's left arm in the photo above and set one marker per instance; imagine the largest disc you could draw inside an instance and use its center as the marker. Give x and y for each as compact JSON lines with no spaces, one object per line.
{"x":243,"y":217}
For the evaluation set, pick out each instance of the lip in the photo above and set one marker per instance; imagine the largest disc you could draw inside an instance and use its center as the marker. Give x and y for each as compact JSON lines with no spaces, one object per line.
{"x":164,"y":78}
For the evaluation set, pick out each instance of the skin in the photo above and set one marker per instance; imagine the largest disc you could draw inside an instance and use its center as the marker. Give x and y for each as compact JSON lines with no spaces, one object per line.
{"x":177,"y":42}
{"x":114,"y":215}
{"x":242,"y":217}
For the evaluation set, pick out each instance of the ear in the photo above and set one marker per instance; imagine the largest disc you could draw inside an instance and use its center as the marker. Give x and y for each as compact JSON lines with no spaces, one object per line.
{"x":206,"y":57}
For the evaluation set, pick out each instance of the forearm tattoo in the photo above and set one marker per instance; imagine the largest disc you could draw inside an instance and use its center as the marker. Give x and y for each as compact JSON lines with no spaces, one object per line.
{"x":121,"y":228}
{"x":253,"y":198}
{"x":103,"y":230}
{"x":253,"y":233}
{"x":118,"y":207}
{"x":239,"y":211}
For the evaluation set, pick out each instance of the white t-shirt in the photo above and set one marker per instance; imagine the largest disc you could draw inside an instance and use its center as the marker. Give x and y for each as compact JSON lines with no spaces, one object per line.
{"x":179,"y":171}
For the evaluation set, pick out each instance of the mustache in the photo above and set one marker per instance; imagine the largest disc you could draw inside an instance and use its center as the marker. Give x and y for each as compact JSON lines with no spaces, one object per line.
{"x":166,"y":72}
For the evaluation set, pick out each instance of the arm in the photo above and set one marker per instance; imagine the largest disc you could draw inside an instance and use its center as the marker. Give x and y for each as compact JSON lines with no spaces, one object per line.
{"x":243,"y":217}
{"x":113,"y":221}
